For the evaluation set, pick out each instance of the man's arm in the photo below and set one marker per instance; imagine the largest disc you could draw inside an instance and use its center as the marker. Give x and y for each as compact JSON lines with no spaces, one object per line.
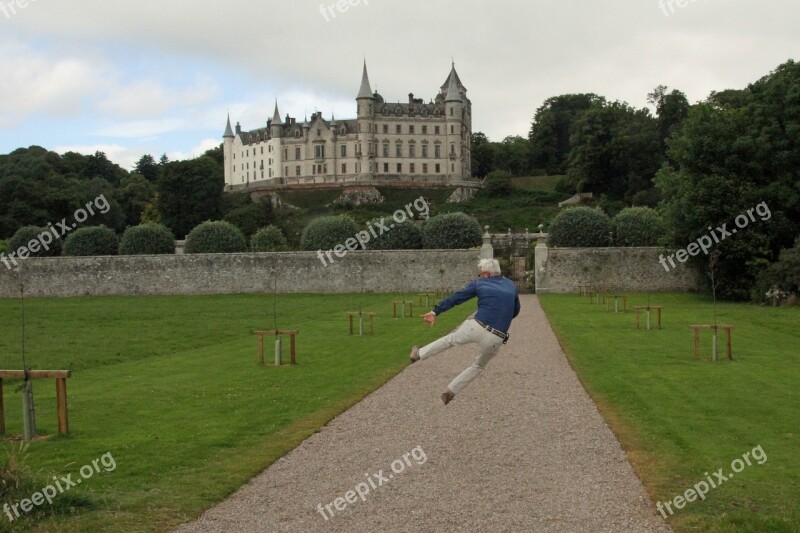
{"x":467,"y":293}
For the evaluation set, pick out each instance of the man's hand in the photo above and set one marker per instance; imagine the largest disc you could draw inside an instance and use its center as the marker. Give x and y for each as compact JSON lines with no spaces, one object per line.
{"x":429,"y":318}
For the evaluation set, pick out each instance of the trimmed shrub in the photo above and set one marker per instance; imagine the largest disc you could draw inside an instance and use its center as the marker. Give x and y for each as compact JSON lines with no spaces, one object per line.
{"x":26,"y":234}
{"x":404,"y":236}
{"x":451,"y":231}
{"x":324,"y":233}
{"x":218,"y":237}
{"x":580,"y":227}
{"x":497,"y":184}
{"x":3,"y":246}
{"x":147,"y":239}
{"x":638,"y":226}
{"x":269,"y":239}
{"x":92,"y":240}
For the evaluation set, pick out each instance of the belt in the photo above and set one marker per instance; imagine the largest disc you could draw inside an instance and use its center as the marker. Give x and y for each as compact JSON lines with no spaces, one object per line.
{"x":493,"y":331}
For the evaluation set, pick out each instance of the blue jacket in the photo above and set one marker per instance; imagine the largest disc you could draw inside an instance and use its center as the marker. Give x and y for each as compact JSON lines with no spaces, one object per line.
{"x":498,"y":301}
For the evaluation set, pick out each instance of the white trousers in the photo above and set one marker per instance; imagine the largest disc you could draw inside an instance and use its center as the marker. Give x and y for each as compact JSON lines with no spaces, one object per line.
{"x":467,"y":333}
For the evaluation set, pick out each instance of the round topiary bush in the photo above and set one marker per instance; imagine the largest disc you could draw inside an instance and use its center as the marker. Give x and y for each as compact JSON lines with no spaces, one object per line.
{"x":218,"y":237}
{"x":147,"y":239}
{"x":325,"y":233}
{"x":404,"y":236}
{"x":269,"y":239}
{"x":451,"y":231}
{"x":580,"y":227}
{"x":637,"y":226}
{"x":47,"y":246}
{"x":92,"y":240}
{"x":3,"y":246}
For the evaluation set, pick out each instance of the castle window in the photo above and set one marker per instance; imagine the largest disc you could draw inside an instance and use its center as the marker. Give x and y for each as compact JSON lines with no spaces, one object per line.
{"x":297,"y":153}
{"x":385,"y":128}
{"x":296,"y":134}
{"x":319,"y":132}
{"x":412,"y":168}
{"x":385,"y":149}
{"x":398,"y":129}
{"x":262,"y":150}
{"x":436,"y":130}
{"x":452,"y":149}
{"x":424,"y":150}
{"x":386,"y":168}
{"x":424,"y":130}
{"x":451,"y":111}
{"x":411,"y":129}
{"x":399,"y":168}
{"x":452,"y":130}
{"x":412,"y":151}
{"x":424,"y":168}
{"x":437,"y":151}
{"x":344,"y":150}
{"x":438,"y":168}
{"x":285,"y":171}
{"x":297,"y":170}
{"x":344,"y":168}
{"x":286,"y":153}
{"x":319,"y":151}
{"x":398,"y":149}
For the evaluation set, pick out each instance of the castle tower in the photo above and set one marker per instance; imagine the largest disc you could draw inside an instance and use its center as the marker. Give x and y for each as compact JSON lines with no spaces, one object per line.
{"x":455,"y":124}
{"x":275,"y":132}
{"x":366,"y":135}
{"x":227,"y":150}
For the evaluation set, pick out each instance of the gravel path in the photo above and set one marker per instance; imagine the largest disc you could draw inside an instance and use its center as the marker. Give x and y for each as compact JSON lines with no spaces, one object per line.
{"x":523,"y":448}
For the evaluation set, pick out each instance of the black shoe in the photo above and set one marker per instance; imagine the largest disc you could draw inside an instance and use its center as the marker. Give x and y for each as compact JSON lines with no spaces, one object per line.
{"x":448,"y":396}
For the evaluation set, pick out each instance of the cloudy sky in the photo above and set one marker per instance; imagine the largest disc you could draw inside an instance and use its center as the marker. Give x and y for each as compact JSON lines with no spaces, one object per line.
{"x":131,"y":78}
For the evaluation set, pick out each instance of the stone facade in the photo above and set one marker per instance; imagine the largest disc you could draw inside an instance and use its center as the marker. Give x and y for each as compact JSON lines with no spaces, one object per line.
{"x":410,"y":271}
{"x":386,"y":142}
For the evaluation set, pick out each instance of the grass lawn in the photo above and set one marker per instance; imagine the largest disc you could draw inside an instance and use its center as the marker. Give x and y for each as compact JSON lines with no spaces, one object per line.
{"x":169,"y":386}
{"x":679,"y":418}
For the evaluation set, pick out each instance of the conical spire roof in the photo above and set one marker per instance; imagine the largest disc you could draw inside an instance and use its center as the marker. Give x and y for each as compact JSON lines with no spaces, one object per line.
{"x":364,"y":91}
{"x":452,"y":88}
{"x":228,"y":129}
{"x":276,"y":117}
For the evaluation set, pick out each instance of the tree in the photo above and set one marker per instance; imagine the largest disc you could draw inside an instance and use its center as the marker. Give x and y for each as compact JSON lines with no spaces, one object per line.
{"x":147,"y":239}
{"x":483,"y":154}
{"x":637,"y":226}
{"x":615,"y":151}
{"x":513,"y":155}
{"x":134,"y":193}
{"x":218,"y":237}
{"x":251,"y":217}
{"x":671,"y":109}
{"x":147,"y":167}
{"x":269,"y":239}
{"x":325,"y":233}
{"x":92,"y":241}
{"x":580,"y":227}
{"x":497,"y":184}
{"x":552,"y":127}
{"x":190,"y":192}
{"x":451,"y":231}
{"x":733,"y":156}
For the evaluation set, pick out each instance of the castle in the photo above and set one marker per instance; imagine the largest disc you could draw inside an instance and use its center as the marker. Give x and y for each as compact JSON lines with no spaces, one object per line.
{"x":387,"y":143}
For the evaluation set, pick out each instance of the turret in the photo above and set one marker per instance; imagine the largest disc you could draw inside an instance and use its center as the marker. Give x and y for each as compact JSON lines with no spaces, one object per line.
{"x":227,"y":149}
{"x":366,"y":135}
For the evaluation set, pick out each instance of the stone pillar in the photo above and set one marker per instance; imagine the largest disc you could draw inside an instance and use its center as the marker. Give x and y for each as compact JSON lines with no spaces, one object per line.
{"x":487,"y":252}
{"x":540,"y":261}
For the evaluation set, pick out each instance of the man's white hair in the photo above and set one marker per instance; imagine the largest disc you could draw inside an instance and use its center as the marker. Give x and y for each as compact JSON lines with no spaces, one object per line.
{"x":492,"y":266}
